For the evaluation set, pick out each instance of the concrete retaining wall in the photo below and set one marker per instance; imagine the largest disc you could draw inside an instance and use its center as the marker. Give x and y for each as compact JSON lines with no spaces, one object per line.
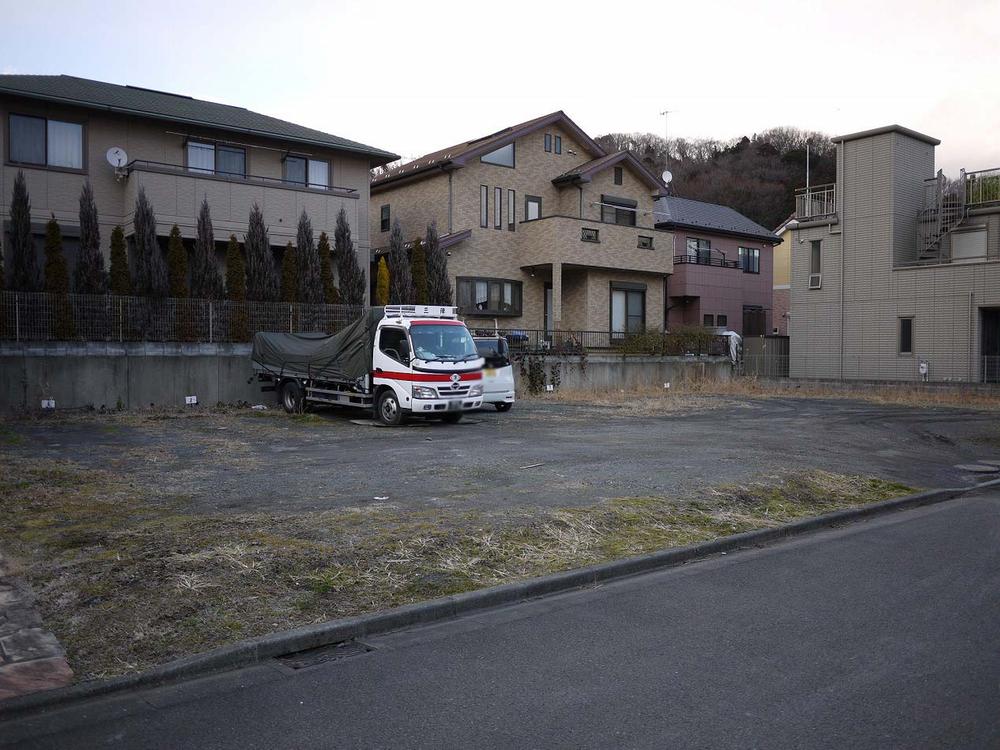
{"x":604,"y":372}
{"x":130,"y":376}
{"x":144,"y":375}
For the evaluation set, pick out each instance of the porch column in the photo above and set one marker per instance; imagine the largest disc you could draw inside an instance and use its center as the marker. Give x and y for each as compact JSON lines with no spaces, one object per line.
{"x":556,"y":296}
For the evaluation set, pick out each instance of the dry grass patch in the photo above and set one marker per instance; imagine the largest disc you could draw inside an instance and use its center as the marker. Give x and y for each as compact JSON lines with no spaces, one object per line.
{"x":128,"y":578}
{"x":695,"y":395}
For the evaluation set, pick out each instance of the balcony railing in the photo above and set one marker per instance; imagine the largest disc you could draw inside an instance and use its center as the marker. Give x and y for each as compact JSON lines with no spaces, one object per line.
{"x":705,"y":260}
{"x":816,"y":202}
{"x":215,"y":174}
{"x":982,"y":187}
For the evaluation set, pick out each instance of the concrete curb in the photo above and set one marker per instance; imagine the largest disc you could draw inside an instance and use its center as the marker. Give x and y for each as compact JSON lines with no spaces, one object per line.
{"x":256,"y":650}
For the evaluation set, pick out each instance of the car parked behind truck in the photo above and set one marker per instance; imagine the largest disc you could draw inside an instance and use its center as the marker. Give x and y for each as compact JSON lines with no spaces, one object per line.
{"x":498,"y":373}
{"x":399,"y":361}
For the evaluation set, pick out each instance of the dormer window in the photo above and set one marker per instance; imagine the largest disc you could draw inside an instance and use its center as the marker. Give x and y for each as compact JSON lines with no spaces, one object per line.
{"x":502,"y":157}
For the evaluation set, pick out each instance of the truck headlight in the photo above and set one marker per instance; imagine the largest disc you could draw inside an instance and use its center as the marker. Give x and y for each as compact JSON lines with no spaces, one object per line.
{"x":422,"y":391}
{"x":476,"y":390}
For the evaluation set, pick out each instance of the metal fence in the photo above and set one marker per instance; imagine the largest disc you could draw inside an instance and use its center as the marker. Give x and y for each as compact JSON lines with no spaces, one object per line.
{"x":538,"y":341}
{"x":97,"y":317}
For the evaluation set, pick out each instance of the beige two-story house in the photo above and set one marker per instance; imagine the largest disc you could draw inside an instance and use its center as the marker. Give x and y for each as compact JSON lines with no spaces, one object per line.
{"x":544,"y":230}
{"x":63,"y":130}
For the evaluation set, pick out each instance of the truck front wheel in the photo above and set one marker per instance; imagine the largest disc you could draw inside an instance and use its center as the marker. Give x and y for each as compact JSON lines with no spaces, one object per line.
{"x":292,"y":397}
{"x":388,"y":409}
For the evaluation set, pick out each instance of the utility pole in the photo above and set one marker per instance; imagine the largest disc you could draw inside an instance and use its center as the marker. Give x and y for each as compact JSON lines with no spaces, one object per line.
{"x":807,"y":166}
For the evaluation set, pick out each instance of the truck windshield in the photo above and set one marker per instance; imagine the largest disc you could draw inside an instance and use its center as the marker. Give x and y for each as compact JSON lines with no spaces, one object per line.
{"x":444,"y":343}
{"x":494,"y":351}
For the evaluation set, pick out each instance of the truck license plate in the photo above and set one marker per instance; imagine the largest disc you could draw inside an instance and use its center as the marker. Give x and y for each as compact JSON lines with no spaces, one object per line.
{"x":489,"y":372}
{"x":454,"y":405}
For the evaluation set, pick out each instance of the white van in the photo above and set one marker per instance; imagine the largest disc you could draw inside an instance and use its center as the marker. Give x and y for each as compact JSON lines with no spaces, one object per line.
{"x":498,"y":373}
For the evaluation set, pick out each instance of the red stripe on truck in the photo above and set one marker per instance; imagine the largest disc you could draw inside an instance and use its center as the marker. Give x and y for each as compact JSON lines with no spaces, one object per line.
{"x":419,"y":377}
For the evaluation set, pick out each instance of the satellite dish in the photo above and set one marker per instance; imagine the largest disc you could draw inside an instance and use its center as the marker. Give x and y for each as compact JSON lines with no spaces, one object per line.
{"x":117,"y":157}
{"x":667,"y":177}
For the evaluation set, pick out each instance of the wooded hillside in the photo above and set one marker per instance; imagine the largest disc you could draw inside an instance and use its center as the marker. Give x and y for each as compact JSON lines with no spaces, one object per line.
{"x":755,"y":175}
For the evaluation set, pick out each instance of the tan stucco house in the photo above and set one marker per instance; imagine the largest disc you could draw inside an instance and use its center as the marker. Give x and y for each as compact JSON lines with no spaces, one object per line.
{"x":545,"y":230}
{"x":59,"y":129}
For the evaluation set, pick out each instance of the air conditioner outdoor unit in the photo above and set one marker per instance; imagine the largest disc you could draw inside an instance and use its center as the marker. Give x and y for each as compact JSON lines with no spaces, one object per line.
{"x":815,"y":280}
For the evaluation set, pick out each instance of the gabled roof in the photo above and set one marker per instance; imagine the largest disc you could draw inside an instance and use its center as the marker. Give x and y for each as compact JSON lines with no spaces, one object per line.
{"x":787,"y":223}
{"x":585,"y":172}
{"x":461,"y":153}
{"x":671,"y":212}
{"x":159,"y":105}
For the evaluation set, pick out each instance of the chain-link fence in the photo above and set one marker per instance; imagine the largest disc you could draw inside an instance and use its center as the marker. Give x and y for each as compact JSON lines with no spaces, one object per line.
{"x":96,"y":317}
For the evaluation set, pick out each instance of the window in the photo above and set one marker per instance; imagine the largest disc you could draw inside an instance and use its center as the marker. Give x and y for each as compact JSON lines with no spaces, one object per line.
{"x":532,"y":207}
{"x":392,"y":342}
{"x":230,"y":160}
{"x":313,"y":173}
{"x":722,"y":320}
{"x":295,"y":170}
{"x":699,"y":249}
{"x":384,"y":218}
{"x":502,"y":157}
{"x":558,"y":144}
{"x":201,"y":157}
{"x":52,"y":143}
{"x":815,"y":265}
{"x":906,"y":335}
{"x":484,"y":206}
{"x":548,"y":142}
{"x":489,"y":297}
{"x":750,"y":259}
{"x":628,"y":308}
{"x":709,"y":321}
{"x":497,"y":212}
{"x":319,"y":174}
{"x":645,"y":243}
{"x":511,"y":211}
{"x":589,"y":235}
{"x":619,"y":176}
{"x":616,"y":210}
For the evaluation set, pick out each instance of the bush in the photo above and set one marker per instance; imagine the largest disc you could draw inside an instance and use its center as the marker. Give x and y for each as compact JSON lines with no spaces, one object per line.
{"x":382,"y":283}
{"x":121,"y":281}
{"x":57,"y":281}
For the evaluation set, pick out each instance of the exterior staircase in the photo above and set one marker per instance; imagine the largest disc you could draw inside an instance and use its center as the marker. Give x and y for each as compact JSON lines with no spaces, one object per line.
{"x":944,"y":210}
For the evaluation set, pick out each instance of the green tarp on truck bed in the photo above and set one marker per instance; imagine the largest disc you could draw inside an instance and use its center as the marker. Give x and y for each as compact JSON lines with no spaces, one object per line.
{"x":346,"y":356}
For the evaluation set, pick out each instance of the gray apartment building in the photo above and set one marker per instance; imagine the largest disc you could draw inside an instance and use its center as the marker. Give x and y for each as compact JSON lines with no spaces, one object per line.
{"x":895,"y":272}
{"x":58,"y":130}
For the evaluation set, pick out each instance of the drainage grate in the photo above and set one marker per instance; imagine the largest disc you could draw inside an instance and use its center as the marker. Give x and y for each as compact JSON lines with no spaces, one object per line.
{"x":310,"y":657}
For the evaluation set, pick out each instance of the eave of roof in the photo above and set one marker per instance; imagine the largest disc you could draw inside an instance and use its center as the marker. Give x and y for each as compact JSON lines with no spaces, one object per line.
{"x":887,"y":129}
{"x":585,"y":172}
{"x":376,"y":156}
{"x":767,"y":238}
{"x":459,"y":155}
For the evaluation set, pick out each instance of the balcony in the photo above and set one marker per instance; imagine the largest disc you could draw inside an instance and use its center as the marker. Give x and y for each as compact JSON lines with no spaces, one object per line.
{"x":816,"y":202}
{"x":982,"y":188}
{"x":580,"y":242}
{"x":706,"y":260}
{"x":176,"y":194}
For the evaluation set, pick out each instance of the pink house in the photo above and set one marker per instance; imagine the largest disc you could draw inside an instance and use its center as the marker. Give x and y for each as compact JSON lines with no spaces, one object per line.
{"x":722,"y":267}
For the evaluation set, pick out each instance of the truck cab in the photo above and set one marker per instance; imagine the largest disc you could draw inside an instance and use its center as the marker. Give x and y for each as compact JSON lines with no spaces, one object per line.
{"x":498,"y":373}
{"x":424,"y":363}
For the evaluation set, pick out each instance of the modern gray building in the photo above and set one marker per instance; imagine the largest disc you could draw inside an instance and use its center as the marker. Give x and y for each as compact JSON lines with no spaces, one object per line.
{"x":895,"y":272}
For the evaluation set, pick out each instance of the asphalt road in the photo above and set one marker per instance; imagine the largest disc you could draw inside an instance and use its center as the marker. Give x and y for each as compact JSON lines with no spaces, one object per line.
{"x":576,"y":454}
{"x":880,"y":634}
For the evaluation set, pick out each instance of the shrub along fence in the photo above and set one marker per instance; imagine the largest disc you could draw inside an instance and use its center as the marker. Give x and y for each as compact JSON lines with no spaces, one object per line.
{"x":687,"y":340}
{"x":40,"y":316}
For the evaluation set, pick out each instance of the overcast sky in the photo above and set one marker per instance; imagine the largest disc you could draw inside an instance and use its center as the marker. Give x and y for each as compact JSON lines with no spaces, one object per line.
{"x":412,"y":77}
